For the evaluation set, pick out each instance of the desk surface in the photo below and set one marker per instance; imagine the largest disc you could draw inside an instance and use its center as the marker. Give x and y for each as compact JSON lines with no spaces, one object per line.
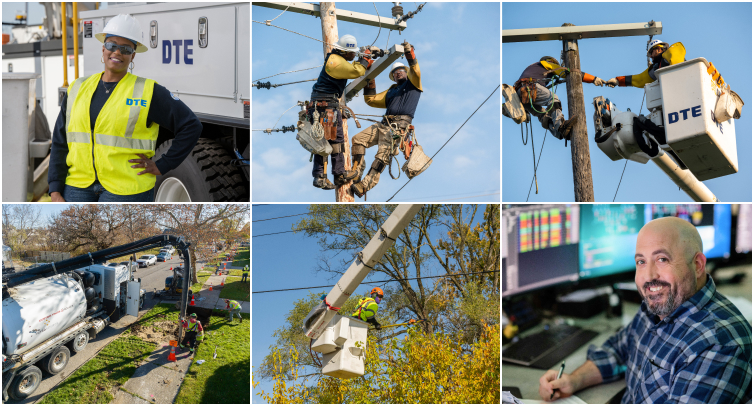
{"x":527,"y":379}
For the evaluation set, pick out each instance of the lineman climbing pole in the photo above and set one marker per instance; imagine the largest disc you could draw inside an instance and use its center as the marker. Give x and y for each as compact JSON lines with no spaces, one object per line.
{"x":326,"y":12}
{"x":569,"y":34}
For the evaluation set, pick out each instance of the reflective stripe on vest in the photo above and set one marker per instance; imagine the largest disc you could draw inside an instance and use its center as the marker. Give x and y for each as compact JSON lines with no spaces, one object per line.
{"x":193,"y":327}
{"x":120,"y":132}
{"x":363,"y":304}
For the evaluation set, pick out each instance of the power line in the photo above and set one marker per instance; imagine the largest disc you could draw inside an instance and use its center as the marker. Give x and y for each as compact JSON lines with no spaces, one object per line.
{"x":446,"y":142}
{"x":626,"y":164}
{"x":539,"y":159}
{"x":281,"y":217}
{"x":467,"y":197}
{"x":306,"y":229}
{"x":385,"y":281}
{"x":283,"y":73}
{"x":268,"y":85}
{"x":285,"y":29}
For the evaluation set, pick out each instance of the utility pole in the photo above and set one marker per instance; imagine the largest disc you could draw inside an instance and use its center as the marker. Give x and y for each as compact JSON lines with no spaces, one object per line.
{"x":343,"y":193}
{"x":583,"y":189}
{"x":569,"y":35}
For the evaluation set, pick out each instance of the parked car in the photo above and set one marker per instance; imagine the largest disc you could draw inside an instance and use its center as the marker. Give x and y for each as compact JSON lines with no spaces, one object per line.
{"x":146,"y":260}
{"x":134,"y":265}
{"x":164,"y":256}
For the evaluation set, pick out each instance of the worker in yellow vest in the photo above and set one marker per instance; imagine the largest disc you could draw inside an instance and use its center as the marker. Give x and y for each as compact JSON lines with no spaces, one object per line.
{"x":233,"y":307}
{"x":661,"y":55}
{"x":106,"y":133}
{"x":194,"y":332}
{"x":367,"y":308}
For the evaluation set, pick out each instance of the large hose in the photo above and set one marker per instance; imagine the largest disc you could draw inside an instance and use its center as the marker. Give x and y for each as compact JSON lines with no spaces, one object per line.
{"x":98,"y":257}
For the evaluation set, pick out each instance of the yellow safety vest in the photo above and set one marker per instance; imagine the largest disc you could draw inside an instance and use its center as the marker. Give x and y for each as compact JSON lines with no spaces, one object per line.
{"x":120,"y":132}
{"x":365,"y":305}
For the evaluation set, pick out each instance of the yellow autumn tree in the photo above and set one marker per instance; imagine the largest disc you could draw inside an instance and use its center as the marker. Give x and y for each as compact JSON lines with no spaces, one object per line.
{"x":420,"y":367}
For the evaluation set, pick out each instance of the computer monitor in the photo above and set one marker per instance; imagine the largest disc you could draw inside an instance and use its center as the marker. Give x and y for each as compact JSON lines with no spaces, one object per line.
{"x":539,"y":246}
{"x":608,"y":238}
{"x":743,"y":229}
{"x":713,"y":221}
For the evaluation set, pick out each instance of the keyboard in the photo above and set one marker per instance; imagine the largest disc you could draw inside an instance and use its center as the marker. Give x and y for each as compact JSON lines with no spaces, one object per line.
{"x":546,"y":349}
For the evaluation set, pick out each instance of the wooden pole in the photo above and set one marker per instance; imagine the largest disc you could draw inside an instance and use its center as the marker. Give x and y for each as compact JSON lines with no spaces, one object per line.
{"x":582,"y":164}
{"x":330,"y":36}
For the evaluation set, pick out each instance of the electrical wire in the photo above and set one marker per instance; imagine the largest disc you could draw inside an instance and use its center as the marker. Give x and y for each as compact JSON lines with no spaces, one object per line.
{"x":281,"y":217}
{"x":378,"y":22}
{"x":281,"y":116}
{"x":446,"y":142}
{"x":384,"y":281}
{"x":306,"y":229}
{"x":539,"y":159}
{"x":283,"y":73}
{"x":286,"y":9}
{"x":626,"y":164}
{"x":297,"y":33}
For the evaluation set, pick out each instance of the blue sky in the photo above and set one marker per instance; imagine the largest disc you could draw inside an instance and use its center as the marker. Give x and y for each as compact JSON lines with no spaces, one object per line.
{"x":728,"y":47}
{"x":285,"y":261}
{"x":457,"y":46}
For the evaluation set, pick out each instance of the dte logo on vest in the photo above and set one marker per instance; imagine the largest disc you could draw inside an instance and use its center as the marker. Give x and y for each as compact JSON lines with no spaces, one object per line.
{"x":696,"y":111}
{"x":136,"y":102}
{"x":167,"y":51}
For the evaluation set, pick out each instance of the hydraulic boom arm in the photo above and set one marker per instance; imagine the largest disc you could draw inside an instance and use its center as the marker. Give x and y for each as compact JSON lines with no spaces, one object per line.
{"x":319,"y":317}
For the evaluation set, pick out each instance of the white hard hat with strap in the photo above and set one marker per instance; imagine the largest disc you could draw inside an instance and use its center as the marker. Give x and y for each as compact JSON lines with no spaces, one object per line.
{"x":126,"y":26}
{"x":395,"y":66}
{"x":656,"y":43}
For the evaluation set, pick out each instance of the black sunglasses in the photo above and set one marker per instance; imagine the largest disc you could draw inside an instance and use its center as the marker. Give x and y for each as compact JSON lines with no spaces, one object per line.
{"x":124,"y":49}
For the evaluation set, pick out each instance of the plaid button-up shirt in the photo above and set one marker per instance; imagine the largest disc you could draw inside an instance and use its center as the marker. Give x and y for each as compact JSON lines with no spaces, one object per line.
{"x":700,"y":353}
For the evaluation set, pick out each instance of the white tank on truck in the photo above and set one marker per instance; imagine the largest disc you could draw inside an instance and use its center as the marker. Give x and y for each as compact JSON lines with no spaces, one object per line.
{"x":38,"y":310}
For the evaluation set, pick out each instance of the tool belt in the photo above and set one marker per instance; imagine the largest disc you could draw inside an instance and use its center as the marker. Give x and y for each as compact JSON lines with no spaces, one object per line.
{"x":402,"y":121}
{"x":528,"y":89}
{"x":328,"y":117}
{"x":331,"y":97}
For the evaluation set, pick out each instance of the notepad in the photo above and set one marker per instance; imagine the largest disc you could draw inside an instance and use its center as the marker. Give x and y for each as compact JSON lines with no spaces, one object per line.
{"x":508,"y":398}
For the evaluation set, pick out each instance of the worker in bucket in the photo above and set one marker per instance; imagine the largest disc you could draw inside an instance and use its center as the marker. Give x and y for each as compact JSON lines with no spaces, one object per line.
{"x":233,"y":307}
{"x":544,"y":104}
{"x":367,"y":308}
{"x":661,"y":55}
{"x":400,"y":100}
{"x":325,"y":98}
{"x":106,"y":133}
{"x":194,"y":332}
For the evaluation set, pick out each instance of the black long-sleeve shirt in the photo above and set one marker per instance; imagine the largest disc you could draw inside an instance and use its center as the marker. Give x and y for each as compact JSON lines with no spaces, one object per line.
{"x":165,"y":110}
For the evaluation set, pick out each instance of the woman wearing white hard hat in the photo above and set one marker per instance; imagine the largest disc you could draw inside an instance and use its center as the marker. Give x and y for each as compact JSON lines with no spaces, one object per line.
{"x":661,"y":55}
{"x":106,"y":132}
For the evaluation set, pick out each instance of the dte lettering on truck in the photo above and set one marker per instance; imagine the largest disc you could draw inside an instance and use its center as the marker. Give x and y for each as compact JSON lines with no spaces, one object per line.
{"x":696,"y":111}
{"x":166,"y":49}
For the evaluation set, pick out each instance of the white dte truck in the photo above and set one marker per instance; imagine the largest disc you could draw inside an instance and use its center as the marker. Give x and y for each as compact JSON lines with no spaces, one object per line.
{"x":52,"y":311}
{"x":201,"y":53}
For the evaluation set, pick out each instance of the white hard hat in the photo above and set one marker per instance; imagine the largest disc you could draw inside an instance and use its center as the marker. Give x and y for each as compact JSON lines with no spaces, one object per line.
{"x":347,"y":43}
{"x":654,"y":44}
{"x":126,"y":26}
{"x":395,"y":66}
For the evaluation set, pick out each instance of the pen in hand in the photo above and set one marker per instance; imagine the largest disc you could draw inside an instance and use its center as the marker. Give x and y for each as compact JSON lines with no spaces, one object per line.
{"x":560,"y":373}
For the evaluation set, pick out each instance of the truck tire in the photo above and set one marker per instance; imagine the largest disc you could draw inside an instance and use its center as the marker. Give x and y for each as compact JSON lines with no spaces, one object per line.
{"x":25,"y":383}
{"x":206,"y":175}
{"x":56,"y":362}
{"x":79,"y":342}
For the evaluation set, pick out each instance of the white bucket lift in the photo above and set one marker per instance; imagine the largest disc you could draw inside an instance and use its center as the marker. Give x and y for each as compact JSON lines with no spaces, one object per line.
{"x":682,"y":111}
{"x":344,"y":345}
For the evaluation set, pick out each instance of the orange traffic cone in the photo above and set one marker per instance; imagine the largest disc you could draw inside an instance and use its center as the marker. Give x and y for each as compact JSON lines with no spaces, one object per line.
{"x":192,"y":301}
{"x":171,"y":357}
{"x":222,"y":282}
{"x":210,"y":287}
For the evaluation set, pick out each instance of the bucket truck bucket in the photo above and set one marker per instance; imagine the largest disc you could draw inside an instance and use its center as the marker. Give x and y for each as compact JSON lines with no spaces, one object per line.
{"x":689,"y":95}
{"x":344,"y":344}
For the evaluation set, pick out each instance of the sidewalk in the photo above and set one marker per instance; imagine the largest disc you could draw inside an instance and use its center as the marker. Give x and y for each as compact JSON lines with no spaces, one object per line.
{"x":211,"y":300}
{"x":157,"y":380}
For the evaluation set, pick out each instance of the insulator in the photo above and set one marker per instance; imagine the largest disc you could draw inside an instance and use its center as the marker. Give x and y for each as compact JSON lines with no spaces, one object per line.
{"x":397,"y":11}
{"x":263,"y":85}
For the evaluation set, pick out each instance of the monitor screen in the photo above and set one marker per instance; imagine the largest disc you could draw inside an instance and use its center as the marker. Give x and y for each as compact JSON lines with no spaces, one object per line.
{"x":608,"y":238}
{"x":540,"y":246}
{"x":713,"y":221}
{"x":743,"y":229}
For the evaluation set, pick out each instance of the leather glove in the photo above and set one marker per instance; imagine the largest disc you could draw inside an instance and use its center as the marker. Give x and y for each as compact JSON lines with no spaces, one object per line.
{"x":372,"y":84}
{"x":408,"y":51}
{"x":612,"y":82}
{"x":598,"y":81}
{"x":378,"y":326}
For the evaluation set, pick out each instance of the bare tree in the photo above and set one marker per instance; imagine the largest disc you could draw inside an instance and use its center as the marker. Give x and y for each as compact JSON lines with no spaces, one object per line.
{"x":22,"y":224}
{"x":200,"y":224}
{"x":88,"y":227}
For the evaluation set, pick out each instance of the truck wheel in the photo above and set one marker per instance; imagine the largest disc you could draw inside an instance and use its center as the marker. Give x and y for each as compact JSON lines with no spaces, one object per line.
{"x":206,"y":175}
{"x":25,"y":383}
{"x":56,"y":362}
{"x":79,"y":342}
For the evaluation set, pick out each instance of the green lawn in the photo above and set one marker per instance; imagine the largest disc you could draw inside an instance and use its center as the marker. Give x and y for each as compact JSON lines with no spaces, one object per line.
{"x":225,"y":379}
{"x":236,"y":290}
{"x":241,"y":258}
{"x":111,"y":368}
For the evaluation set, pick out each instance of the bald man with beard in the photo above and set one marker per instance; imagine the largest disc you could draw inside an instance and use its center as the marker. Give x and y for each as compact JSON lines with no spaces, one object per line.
{"x":687,"y":344}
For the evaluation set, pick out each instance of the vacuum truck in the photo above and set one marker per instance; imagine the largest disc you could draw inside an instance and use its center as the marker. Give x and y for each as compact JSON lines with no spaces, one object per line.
{"x":52,"y":311}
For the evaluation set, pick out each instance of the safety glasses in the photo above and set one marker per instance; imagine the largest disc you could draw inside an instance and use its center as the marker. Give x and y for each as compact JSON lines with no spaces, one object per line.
{"x":124,"y":49}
